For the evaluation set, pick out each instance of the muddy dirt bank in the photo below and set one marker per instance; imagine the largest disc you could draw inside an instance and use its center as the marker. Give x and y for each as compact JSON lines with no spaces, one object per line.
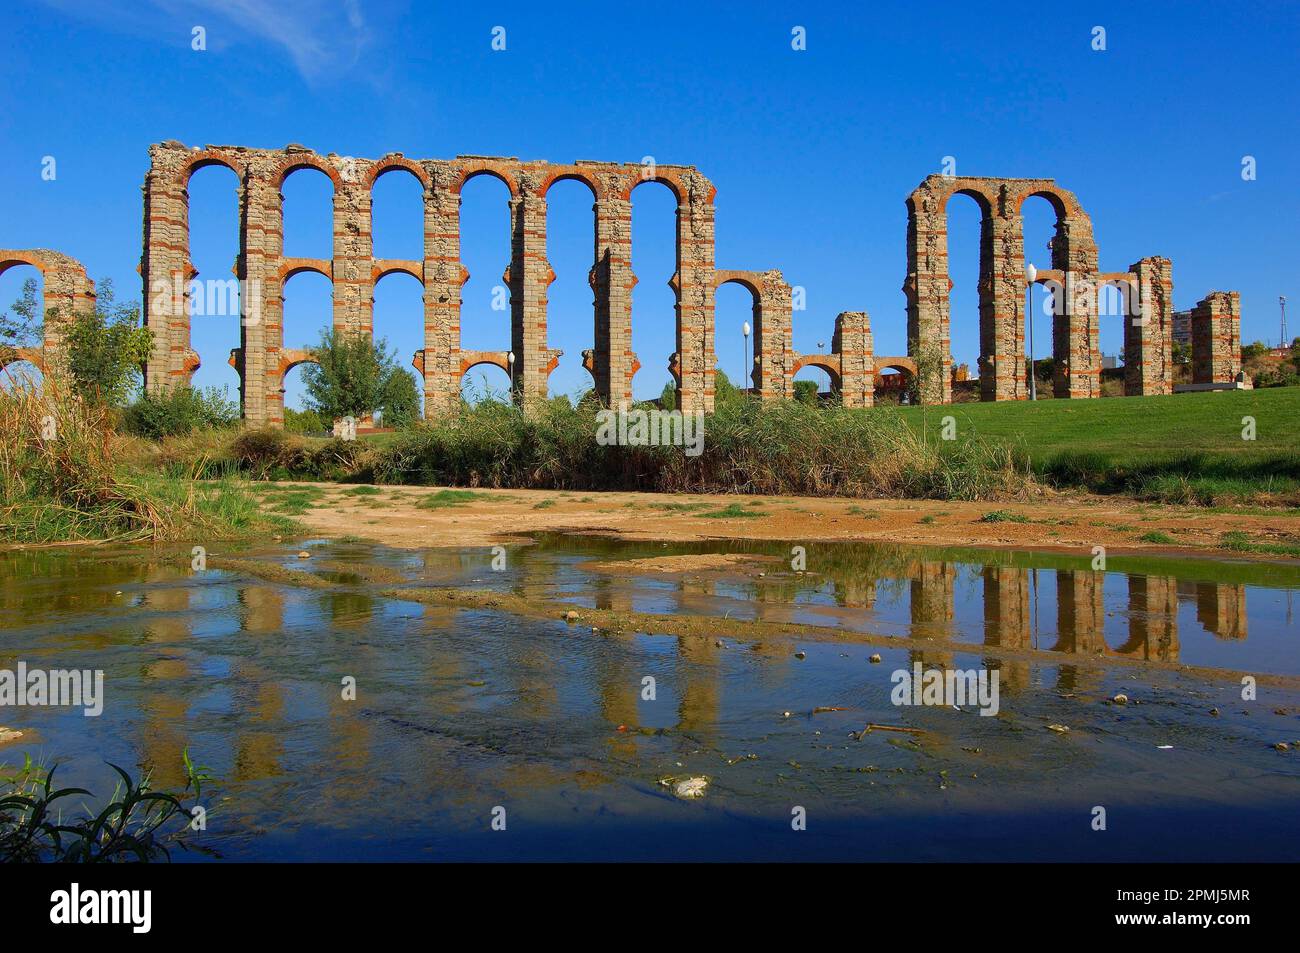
{"x":404,"y":517}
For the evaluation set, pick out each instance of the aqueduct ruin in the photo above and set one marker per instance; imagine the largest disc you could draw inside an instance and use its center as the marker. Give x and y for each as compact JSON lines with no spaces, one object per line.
{"x":262,"y":360}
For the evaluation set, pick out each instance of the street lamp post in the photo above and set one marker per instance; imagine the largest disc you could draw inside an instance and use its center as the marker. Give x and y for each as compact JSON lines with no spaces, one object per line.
{"x":744,"y":368}
{"x":510,"y":360}
{"x":1031,"y":275}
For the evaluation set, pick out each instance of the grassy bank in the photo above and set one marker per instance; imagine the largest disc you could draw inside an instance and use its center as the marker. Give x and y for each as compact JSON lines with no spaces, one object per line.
{"x":62,"y":478}
{"x":788,"y":448}
{"x":1184,"y":448}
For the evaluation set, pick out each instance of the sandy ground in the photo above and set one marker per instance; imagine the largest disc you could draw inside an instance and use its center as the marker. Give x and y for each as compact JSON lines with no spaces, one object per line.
{"x":393,"y":517}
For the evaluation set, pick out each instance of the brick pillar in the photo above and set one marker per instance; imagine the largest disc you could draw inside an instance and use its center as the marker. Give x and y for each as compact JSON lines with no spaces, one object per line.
{"x":66,"y":291}
{"x":165,"y":266}
{"x":694,"y":362}
{"x":1076,"y":331}
{"x":1006,"y":607}
{"x":926,"y":288}
{"x":1076,"y":338}
{"x":1148,"y":329}
{"x":262,"y":323}
{"x":1002,"y":306}
{"x":528,"y":277}
{"x":1216,"y":338}
{"x":613,"y":362}
{"x":443,"y":278}
{"x":1080,"y":612}
{"x":354,"y":289}
{"x":852,"y":342}
{"x":772,"y":373}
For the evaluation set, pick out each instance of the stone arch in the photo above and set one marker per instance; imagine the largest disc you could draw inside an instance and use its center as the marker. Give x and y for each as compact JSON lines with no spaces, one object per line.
{"x":65,"y":289}
{"x":395,"y":162}
{"x":22,"y":355}
{"x":297,"y":161}
{"x":827,"y":362}
{"x":473,"y":168}
{"x":565,"y":174}
{"x":1002,"y":284}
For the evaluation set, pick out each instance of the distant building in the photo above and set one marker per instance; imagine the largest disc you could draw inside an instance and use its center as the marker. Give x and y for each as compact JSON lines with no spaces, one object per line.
{"x":1183,"y":328}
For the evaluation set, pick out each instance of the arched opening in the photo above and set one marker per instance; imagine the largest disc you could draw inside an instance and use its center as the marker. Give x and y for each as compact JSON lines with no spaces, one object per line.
{"x":399,"y":317}
{"x":19,"y":374}
{"x":308,"y":311}
{"x":308,"y":214}
{"x":295,"y":392}
{"x":1039,"y":218}
{"x":570,"y":247}
{"x":654,"y":303}
{"x":397,"y":215}
{"x":894,"y":385}
{"x":1112,"y":313}
{"x":485,"y":253}
{"x":967,"y":335}
{"x":733,"y":308}
{"x":485,"y":382}
{"x":214,"y":292}
{"x":827,"y":385}
{"x":22,"y":306}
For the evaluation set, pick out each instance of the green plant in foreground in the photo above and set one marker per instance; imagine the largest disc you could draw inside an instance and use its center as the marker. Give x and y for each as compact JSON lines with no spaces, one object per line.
{"x":445,"y":498}
{"x":1003,"y":516}
{"x":1155,"y":536}
{"x":731,"y":511}
{"x":136,"y":825}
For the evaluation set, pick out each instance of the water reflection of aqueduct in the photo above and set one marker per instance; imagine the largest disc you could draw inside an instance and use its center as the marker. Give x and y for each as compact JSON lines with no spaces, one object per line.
{"x":262,"y":360}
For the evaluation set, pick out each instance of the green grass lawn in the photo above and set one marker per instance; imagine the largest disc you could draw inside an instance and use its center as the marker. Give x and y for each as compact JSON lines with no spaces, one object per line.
{"x":1183,"y":448}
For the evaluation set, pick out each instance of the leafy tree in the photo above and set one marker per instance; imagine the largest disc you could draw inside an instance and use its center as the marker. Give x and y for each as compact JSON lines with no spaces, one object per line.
{"x":303,"y":421}
{"x":668,"y":397}
{"x":399,"y":398}
{"x":348,"y":377}
{"x":806,"y":392}
{"x":23,"y":327}
{"x":107,"y":348}
{"x":724,"y":392}
{"x":1255,"y":349}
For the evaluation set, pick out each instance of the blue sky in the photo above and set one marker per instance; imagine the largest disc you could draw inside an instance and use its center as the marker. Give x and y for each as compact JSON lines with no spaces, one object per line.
{"x":813,"y":152}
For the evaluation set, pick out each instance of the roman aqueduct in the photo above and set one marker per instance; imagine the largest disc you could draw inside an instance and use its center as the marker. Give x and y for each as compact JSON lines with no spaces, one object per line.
{"x":262,"y":361}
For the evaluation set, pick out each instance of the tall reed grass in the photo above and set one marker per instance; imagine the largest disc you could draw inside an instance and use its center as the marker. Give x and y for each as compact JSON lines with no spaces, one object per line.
{"x":61,"y":477}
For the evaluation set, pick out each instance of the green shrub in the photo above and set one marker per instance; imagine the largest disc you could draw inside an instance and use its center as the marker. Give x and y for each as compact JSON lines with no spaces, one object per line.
{"x":303,"y":421}
{"x":180,"y":411}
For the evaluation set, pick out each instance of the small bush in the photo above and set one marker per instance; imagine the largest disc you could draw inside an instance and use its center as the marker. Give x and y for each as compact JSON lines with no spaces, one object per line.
{"x":180,"y":411}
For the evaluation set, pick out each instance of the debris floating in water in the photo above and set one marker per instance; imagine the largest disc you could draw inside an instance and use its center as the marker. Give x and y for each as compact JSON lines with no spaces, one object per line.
{"x":690,"y":788}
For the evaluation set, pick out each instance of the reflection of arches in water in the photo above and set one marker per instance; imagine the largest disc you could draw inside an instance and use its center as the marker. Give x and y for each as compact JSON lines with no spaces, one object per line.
{"x":932,"y":599}
{"x":1007,"y":620}
{"x":1080,"y":612}
{"x":1222,"y":609}
{"x":700,"y":702}
{"x":1152,"y":619}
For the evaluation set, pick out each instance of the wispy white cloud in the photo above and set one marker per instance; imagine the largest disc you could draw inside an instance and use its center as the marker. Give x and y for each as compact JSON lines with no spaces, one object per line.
{"x":322,"y":38}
